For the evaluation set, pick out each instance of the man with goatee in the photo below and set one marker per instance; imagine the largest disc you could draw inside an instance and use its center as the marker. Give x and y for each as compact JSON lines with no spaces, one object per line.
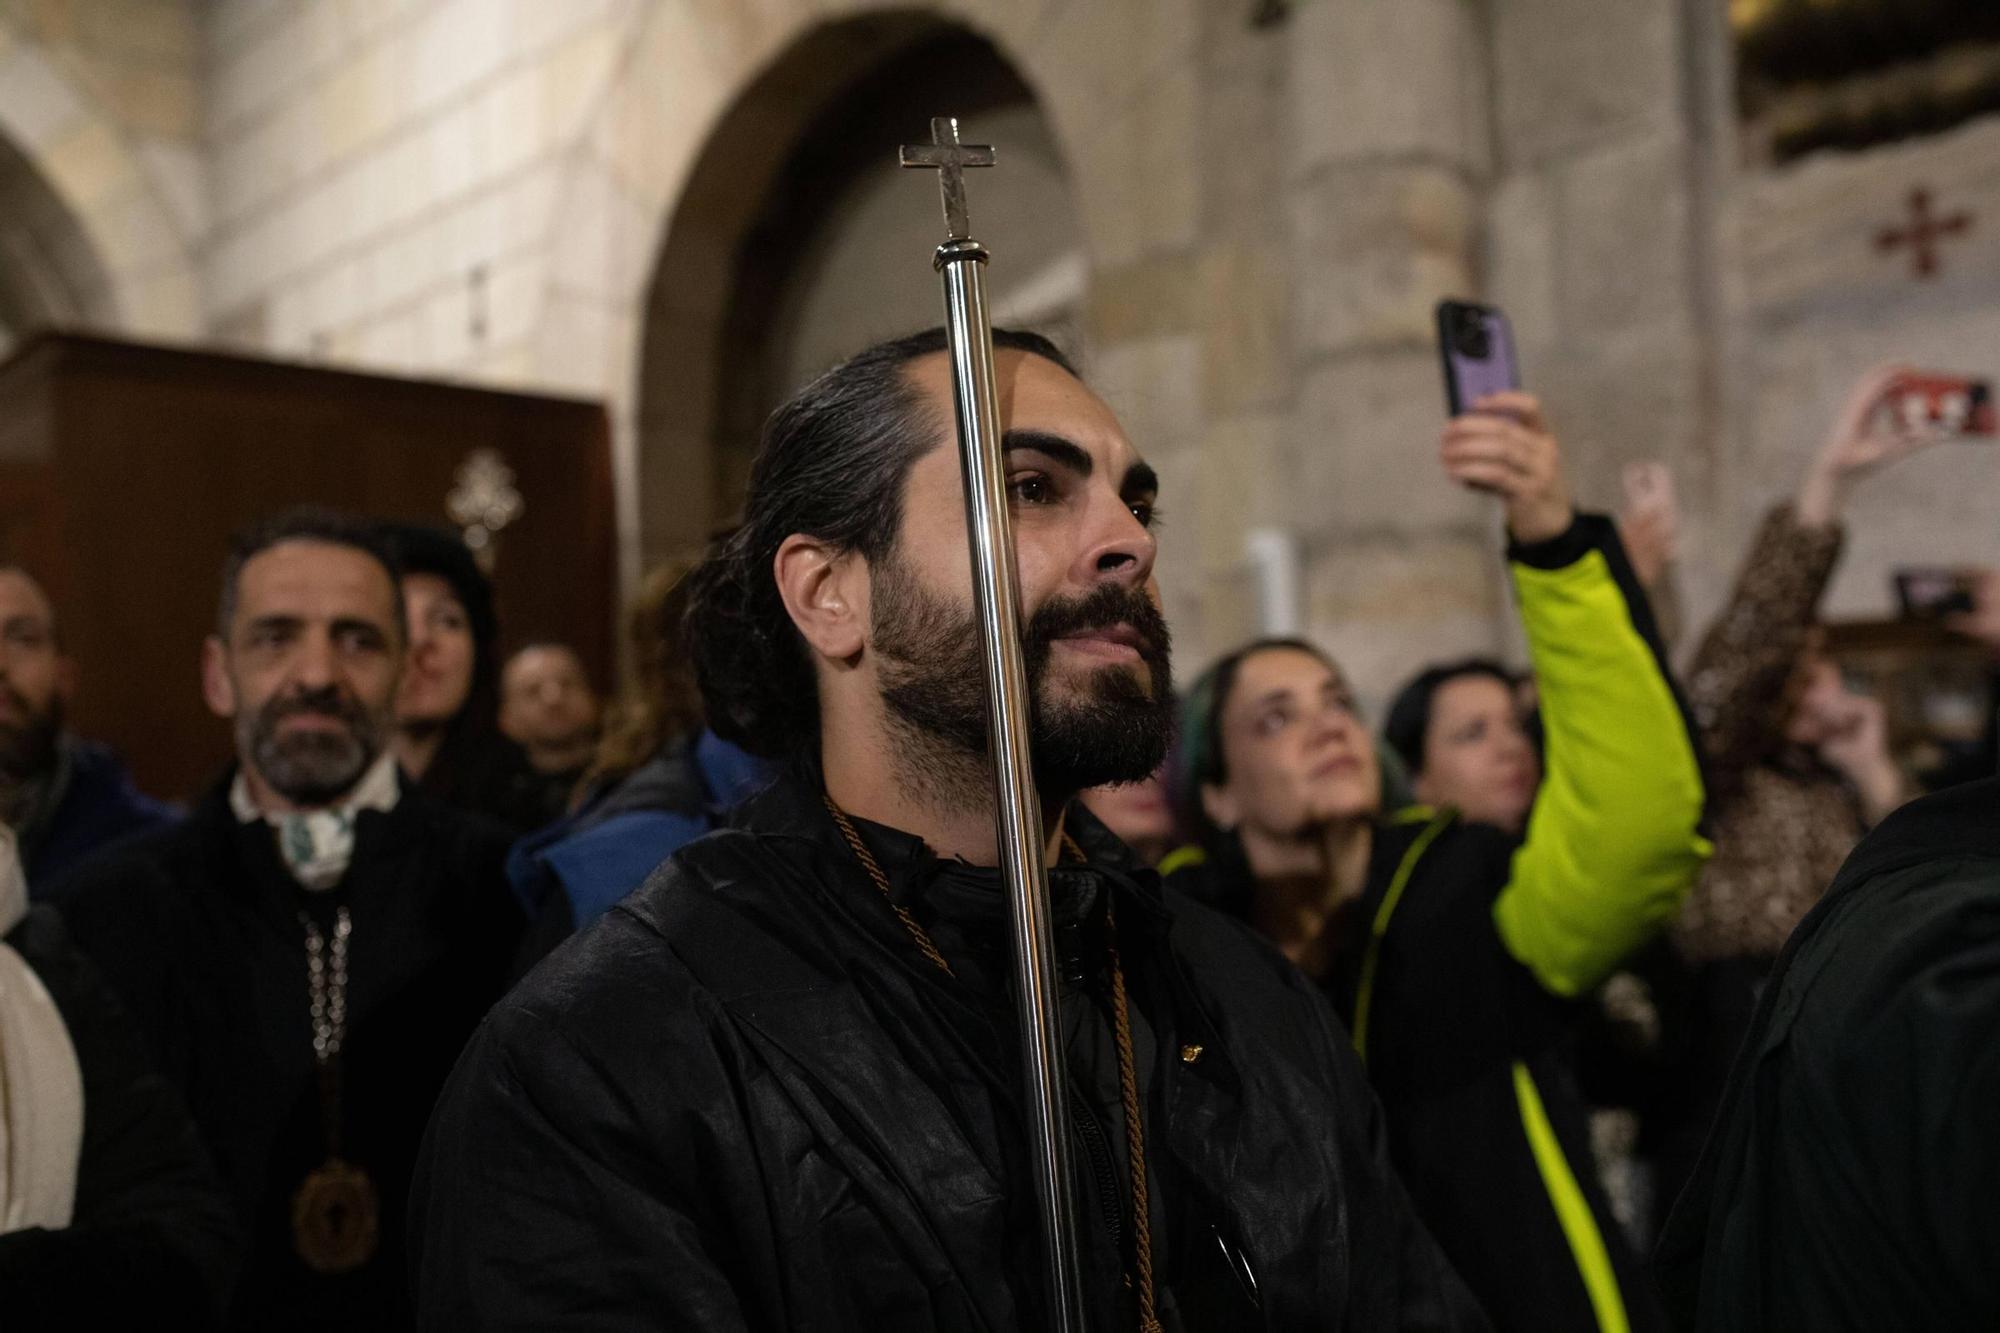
{"x":307,"y":953}
{"x":779,"y":1086}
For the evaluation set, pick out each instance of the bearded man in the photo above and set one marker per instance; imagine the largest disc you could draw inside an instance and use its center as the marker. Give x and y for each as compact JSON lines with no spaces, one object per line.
{"x":64,"y":796}
{"x":307,"y":953}
{"x":779,"y":1086}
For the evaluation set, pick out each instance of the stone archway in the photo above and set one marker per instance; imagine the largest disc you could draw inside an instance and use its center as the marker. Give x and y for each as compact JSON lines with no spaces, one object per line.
{"x":50,"y":276}
{"x":1124,"y":131}
{"x":795,"y":242}
{"x":126,"y":264}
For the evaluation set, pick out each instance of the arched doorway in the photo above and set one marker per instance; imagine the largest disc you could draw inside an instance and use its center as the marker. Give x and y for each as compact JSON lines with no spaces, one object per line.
{"x":49,"y":275}
{"x":796,"y":240}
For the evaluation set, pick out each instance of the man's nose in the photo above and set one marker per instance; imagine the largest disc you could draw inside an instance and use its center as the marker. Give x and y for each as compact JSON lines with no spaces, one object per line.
{"x":314,"y":664}
{"x":1120,"y":548}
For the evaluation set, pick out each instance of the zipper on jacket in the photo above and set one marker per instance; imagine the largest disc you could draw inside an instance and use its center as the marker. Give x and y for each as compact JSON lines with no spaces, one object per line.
{"x":1097,"y":1151}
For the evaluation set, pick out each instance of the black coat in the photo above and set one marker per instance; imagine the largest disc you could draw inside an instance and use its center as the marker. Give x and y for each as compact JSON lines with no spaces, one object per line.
{"x":1853,"y":1178}
{"x":743,"y":1100}
{"x":198,"y":929}
{"x":148,"y":1214}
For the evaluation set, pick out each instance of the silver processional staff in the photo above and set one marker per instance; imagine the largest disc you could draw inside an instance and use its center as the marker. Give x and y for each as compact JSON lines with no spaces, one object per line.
{"x":961,"y":263}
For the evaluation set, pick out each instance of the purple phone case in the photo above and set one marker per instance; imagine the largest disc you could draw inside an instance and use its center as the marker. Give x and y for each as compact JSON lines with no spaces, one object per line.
{"x":1469,"y":378}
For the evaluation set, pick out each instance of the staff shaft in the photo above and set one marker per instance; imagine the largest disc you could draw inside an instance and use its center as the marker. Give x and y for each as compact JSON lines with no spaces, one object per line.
{"x":1017,"y":807}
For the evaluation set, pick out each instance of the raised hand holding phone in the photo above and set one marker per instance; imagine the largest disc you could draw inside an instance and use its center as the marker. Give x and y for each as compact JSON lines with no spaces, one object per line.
{"x":1502,"y":445}
{"x":1870,"y":433}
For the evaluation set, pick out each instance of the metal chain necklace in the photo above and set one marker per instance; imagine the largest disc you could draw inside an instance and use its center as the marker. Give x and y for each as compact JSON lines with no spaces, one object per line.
{"x":1121,"y":1029}
{"x":336,"y":1214}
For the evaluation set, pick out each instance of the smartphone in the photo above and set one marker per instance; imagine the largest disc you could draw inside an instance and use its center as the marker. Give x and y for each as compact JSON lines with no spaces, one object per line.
{"x":1477,"y":348}
{"x":1933,"y":592}
{"x":1954,"y":404}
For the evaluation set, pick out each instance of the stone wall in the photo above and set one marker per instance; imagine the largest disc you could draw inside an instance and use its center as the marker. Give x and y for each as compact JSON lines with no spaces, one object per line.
{"x":485,"y":188}
{"x":102,"y":98}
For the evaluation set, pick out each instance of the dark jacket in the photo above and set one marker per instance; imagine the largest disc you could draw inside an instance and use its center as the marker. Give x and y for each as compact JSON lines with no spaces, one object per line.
{"x":744,"y":1100}
{"x":1853,"y":1178}
{"x":1462,"y":962}
{"x":198,"y":928}
{"x":95,"y":805}
{"x":152,"y":1242}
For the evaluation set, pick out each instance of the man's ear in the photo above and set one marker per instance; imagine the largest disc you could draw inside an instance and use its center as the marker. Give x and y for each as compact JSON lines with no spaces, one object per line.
{"x":65,"y":677}
{"x":1220,"y":806}
{"x":825,"y":593}
{"x":216,"y":687}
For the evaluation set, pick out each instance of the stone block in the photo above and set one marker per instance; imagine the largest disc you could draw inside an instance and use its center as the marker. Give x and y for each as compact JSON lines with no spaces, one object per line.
{"x":576,"y":75}
{"x":1376,"y":247}
{"x":167,"y":305}
{"x":1239,"y":485}
{"x":89,"y":166}
{"x":1148,"y":299}
{"x":359,"y":103}
{"x":1361,"y":457}
{"x":263,"y":72}
{"x":1387,"y":609}
{"x":516,"y":288}
{"x":1246,"y":352}
{"x":132,"y":232}
{"x":1623,"y":216}
{"x":180,"y":176}
{"x":1641,"y":399}
{"x":1374,"y":79}
{"x":41,"y":105}
{"x":1573,"y":72}
{"x":1522,"y":267}
{"x":1154,"y":385}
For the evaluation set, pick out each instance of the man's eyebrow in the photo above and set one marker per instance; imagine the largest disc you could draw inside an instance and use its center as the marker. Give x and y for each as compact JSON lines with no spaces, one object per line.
{"x":1140,"y":479}
{"x":1068,"y":453}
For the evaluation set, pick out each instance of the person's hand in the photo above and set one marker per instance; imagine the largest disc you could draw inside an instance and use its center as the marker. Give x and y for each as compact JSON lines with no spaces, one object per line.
{"x":1502,"y":446}
{"x":1868,"y":435}
{"x":1650,"y":522}
{"x":1858,"y":748}
{"x":1982,"y":622}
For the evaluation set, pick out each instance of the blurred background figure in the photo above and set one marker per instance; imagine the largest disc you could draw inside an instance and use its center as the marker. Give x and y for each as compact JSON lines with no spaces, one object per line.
{"x":548,"y":708}
{"x":448,"y":736}
{"x":102,"y":1173}
{"x":1799,"y":766}
{"x":64,"y":796}
{"x":1468,"y":742}
{"x":1453,"y":946}
{"x":306,"y":952}
{"x":1140,"y":813}
{"x":659,"y":780}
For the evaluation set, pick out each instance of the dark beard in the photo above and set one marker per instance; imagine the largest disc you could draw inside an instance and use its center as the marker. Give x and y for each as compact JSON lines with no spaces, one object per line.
{"x":314,"y":768}
{"x":933,"y":680}
{"x":28,"y":748}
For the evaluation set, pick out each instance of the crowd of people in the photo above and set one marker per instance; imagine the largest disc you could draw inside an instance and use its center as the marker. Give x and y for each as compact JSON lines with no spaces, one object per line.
{"x":461,"y":1000}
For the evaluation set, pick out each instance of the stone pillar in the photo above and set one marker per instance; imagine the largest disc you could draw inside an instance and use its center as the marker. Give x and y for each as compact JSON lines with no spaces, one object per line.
{"x":1599,"y":234}
{"x":1388,"y":156}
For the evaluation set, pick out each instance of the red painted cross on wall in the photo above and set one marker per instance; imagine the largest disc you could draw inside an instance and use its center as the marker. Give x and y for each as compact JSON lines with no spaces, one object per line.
{"x":1923,"y":233}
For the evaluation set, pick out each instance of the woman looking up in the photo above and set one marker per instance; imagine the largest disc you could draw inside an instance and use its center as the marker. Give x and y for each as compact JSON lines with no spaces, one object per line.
{"x":1457,"y":950}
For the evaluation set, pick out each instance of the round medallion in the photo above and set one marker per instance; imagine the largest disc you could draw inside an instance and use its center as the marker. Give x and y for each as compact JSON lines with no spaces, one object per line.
{"x":336,"y":1218}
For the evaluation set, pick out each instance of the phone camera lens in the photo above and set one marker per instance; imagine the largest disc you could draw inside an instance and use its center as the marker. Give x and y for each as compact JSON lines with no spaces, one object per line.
{"x":1470,"y":337}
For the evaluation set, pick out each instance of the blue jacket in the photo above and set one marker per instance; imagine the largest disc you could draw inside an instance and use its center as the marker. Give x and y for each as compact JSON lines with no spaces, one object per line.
{"x":97,"y":805}
{"x":595,"y":856}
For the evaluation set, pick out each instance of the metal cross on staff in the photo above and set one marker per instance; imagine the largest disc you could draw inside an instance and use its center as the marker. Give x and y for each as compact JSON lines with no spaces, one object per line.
{"x":1017,"y":815}
{"x":951,"y":158}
